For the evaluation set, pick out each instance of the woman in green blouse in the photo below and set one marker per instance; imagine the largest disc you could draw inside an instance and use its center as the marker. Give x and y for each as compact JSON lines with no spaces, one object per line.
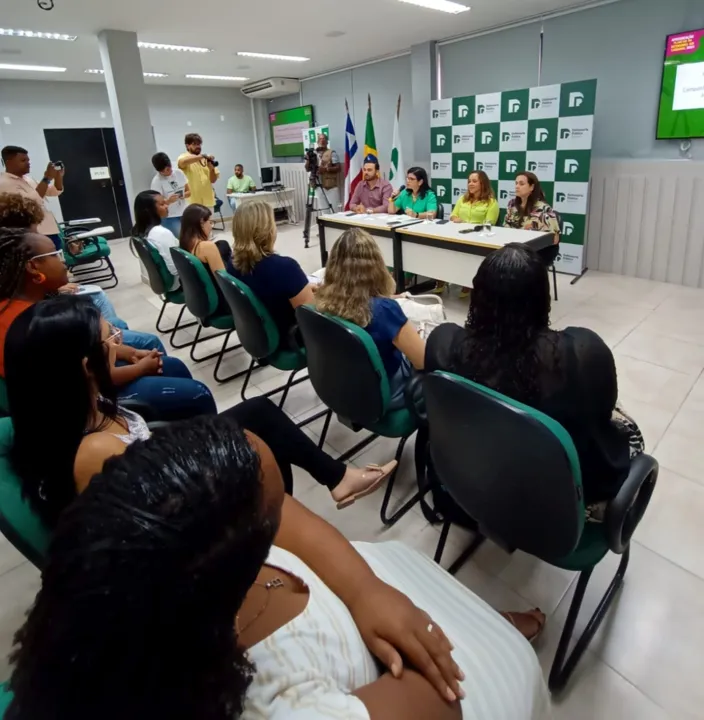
{"x":476,"y":207}
{"x":417,"y":200}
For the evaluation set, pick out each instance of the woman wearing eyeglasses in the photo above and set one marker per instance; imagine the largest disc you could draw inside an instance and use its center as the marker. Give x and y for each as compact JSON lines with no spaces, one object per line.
{"x":31,"y":269}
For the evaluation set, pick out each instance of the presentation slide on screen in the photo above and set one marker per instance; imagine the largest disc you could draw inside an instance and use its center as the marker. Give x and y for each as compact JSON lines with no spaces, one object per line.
{"x":682,"y":97}
{"x":287,"y":127}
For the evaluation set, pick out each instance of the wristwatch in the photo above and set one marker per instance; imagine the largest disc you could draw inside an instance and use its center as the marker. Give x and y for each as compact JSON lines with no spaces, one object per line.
{"x":46,"y":180}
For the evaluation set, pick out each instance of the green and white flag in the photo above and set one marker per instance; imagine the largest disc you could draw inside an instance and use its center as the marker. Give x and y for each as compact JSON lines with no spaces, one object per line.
{"x":396,"y":169}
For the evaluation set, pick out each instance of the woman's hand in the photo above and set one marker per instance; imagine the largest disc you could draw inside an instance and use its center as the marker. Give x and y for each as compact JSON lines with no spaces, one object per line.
{"x":455,"y":219}
{"x":393,"y":628}
{"x":150,"y":364}
{"x":69,"y":289}
{"x":138,"y":355}
{"x":411,"y":213}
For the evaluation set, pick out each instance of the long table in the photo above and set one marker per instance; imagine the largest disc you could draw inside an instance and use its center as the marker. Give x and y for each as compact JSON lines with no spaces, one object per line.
{"x":423,"y":247}
{"x":278,"y":199}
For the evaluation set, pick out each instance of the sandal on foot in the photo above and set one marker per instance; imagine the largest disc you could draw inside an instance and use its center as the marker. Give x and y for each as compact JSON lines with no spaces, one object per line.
{"x":383,"y":470}
{"x":535,"y":614}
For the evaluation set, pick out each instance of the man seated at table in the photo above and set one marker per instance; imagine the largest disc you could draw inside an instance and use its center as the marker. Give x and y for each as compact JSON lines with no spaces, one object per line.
{"x":239,"y":183}
{"x":373,"y":193}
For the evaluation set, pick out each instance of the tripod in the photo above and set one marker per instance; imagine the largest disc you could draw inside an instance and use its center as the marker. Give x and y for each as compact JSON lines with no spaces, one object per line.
{"x":313,"y":186}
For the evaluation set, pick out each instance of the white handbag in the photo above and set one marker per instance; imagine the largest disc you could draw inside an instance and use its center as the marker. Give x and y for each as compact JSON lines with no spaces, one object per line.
{"x":426,"y":312}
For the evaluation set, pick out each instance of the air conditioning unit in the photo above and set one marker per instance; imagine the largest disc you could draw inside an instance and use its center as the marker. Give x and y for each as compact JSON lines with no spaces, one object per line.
{"x":271,"y":87}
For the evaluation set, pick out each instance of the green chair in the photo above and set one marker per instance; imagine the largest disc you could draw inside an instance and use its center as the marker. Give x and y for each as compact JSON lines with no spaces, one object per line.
{"x":5,"y":699}
{"x":159,"y":280}
{"x":18,"y":522}
{"x":88,"y":257}
{"x":516,"y":472}
{"x":260,"y":337}
{"x":203,"y":302}
{"x":4,"y":402}
{"x":348,"y":375}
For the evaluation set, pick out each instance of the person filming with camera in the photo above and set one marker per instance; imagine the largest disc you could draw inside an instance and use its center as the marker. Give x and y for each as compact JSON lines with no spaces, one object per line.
{"x":200,"y":171}
{"x":328,"y":171}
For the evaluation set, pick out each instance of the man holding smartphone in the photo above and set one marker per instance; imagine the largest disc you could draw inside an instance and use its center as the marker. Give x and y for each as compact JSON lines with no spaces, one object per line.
{"x":16,"y":180}
{"x":173,"y":185}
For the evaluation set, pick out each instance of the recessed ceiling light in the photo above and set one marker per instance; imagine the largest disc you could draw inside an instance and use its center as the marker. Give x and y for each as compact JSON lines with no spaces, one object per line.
{"x":177,"y":48}
{"x":96,"y":71}
{"x":442,"y":5}
{"x":217,"y":77}
{"x":32,"y":68}
{"x":39,"y":35}
{"x":267,"y":56}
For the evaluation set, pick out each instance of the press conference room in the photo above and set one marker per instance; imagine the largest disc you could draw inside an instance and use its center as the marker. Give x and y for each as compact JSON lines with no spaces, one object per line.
{"x":374,"y":340}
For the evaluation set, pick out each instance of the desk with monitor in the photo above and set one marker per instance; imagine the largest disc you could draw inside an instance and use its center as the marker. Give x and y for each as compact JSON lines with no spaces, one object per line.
{"x":280,"y":198}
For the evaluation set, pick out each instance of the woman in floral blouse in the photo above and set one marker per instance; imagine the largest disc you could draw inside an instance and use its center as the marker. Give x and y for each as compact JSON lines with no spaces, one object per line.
{"x":529,"y":211}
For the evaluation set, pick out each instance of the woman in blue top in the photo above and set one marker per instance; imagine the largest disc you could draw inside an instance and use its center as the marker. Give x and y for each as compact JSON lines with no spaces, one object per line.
{"x":359,"y":288}
{"x":418,"y":200}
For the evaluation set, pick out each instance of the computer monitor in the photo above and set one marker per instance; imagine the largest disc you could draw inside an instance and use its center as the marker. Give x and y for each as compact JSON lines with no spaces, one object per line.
{"x":271,"y":175}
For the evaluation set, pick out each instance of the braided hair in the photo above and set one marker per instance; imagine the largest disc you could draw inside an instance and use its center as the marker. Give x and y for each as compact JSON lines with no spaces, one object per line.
{"x":15,"y":252}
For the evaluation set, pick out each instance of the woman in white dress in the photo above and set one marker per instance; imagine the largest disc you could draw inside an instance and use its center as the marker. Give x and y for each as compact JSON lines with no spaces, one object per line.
{"x":149,"y":566}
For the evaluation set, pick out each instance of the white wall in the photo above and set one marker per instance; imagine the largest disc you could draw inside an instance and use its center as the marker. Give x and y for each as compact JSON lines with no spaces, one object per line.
{"x":222,"y":117}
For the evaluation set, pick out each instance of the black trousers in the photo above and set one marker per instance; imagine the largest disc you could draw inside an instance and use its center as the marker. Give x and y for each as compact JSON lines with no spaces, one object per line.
{"x":289,"y":444}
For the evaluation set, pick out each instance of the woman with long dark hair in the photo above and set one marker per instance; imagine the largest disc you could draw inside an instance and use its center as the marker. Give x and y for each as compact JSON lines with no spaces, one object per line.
{"x":570,"y":375}
{"x":185,"y":584}
{"x":196,"y":229}
{"x":530,"y":211}
{"x":417,"y":200}
{"x":150,"y":209}
{"x":93,"y":427}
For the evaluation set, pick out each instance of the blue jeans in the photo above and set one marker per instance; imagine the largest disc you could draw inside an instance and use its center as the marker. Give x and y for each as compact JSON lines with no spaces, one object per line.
{"x":232,"y":200}
{"x":101,"y":301}
{"x":175,"y":395}
{"x":173,"y":224}
{"x":143,"y":341}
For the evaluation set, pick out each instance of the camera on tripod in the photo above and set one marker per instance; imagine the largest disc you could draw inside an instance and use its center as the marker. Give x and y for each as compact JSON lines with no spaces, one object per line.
{"x":313,"y":164}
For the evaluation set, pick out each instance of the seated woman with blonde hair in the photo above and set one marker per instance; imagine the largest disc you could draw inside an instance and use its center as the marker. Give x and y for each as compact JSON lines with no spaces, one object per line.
{"x":359,"y":288}
{"x":278,"y":281}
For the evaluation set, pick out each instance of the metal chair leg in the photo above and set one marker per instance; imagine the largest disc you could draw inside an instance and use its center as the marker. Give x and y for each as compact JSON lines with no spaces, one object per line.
{"x":554,"y":281}
{"x":199,"y":339}
{"x":224,"y":349}
{"x":562,"y":669}
{"x":246,"y":380}
{"x":393,"y":519}
{"x":287,"y":387}
{"x":441,"y":542}
{"x":326,"y":426}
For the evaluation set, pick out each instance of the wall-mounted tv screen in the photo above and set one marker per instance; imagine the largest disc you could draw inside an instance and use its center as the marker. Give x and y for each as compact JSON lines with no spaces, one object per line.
{"x":681,"y":112}
{"x":286,"y":127}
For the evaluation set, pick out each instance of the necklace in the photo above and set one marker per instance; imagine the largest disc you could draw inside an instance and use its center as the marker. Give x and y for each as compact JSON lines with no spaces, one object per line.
{"x":273,"y":584}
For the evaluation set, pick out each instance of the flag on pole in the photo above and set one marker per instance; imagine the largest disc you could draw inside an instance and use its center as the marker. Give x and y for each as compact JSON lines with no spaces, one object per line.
{"x":369,"y":139}
{"x":396,"y":168}
{"x":353,"y":161}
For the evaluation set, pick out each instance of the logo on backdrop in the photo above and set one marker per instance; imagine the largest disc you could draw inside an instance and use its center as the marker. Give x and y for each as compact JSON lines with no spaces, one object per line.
{"x":441,"y":191}
{"x":532,"y":165}
{"x":541,"y":135}
{"x":560,"y":197}
{"x":457,"y":192}
{"x":481,"y":109}
{"x":487,"y":137}
{"x":462,"y":166}
{"x":567,"y":228}
{"x":535,"y":103}
{"x":436,"y":165}
{"x":505,"y":136}
{"x":503,"y":194}
{"x":565,"y":133}
{"x":514,"y":105}
{"x":480,"y":165}
{"x":463,"y":111}
{"x":571,"y":167}
{"x":511,"y":166}
{"x":456,"y":139}
{"x":436,"y":114}
{"x":441,"y":140}
{"x":576,"y":99}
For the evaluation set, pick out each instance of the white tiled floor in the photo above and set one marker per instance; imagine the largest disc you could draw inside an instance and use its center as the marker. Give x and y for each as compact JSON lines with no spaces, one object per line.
{"x":647,"y":660}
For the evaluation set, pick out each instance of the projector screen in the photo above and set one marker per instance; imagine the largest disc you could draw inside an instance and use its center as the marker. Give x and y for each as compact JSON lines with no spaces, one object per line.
{"x":681,"y":112}
{"x":286,"y":128}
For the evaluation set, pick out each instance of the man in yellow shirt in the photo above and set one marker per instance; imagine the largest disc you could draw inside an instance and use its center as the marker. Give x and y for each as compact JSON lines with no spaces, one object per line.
{"x":199,"y":170}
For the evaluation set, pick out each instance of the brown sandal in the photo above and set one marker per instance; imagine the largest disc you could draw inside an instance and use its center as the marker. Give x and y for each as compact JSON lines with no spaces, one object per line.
{"x":384,"y":472}
{"x":535,"y":614}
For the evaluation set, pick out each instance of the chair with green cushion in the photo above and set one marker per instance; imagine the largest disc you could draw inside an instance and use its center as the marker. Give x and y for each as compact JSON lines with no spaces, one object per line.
{"x":517,"y":473}
{"x":88,"y":257}
{"x":5,"y":699}
{"x":260,"y":337}
{"x":203,"y":302}
{"x":348,"y":375}
{"x":18,"y":522}
{"x":4,"y":402}
{"x":159,"y":280}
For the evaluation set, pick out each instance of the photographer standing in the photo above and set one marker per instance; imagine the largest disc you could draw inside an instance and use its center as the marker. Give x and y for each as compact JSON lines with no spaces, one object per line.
{"x":200,"y":170}
{"x":328,"y":173}
{"x":16,"y":180}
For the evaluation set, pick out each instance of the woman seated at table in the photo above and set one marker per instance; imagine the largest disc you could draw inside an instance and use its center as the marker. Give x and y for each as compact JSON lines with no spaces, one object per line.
{"x":476,"y":207}
{"x":529,"y":211}
{"x":150,"y":208}
{"x":196,"y":229}
{"x":278,"y":281}
{"x":359,"y":288}
{"x":570,"y":375}
{"x":31,"y":270}
{"x":417,"y":200}
{"x":184,"y":583}
{"x":91,"y":427}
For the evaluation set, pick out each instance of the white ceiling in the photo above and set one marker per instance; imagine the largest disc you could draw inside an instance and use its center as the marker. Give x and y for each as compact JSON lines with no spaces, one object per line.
{"x":373,"y":28}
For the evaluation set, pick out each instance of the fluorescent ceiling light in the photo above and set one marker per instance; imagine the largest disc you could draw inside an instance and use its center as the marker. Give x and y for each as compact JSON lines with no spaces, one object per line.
{"x":32,"y":68}
{"x":39,"y":35}
{"x":177,"y":48}
{"x":217,"y":77}
{"x":442,"y":5}
{"x":267,"y":56}
{"x":96,"y":71}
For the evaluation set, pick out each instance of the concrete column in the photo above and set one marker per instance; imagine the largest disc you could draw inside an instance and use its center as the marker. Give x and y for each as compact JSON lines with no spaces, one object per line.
{"x":130,"y":111}
{"x":424,"y":88}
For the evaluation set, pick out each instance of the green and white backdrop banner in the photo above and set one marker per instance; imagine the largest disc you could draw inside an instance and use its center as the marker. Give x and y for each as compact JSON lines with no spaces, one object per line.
{"x":547,"y":130}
